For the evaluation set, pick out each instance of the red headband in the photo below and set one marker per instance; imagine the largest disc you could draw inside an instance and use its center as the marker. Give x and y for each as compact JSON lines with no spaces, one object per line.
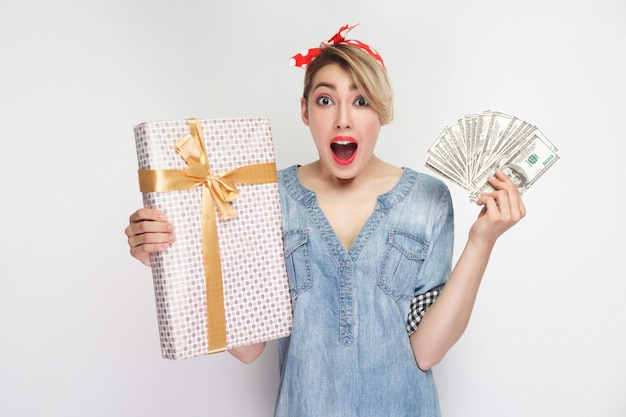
{"x":304,"y":58}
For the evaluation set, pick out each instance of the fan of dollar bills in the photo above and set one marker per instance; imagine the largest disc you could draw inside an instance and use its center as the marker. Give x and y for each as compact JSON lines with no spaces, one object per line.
{"x":470,"y":150}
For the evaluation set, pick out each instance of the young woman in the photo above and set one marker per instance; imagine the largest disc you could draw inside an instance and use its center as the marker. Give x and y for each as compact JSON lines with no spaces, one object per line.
{"x":368,"y":248}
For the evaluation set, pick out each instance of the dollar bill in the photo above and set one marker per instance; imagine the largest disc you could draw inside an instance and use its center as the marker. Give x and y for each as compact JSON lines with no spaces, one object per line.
{"x":470,"y":150}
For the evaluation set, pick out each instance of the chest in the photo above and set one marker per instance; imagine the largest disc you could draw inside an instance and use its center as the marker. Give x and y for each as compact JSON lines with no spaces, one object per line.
{"x":347,"y":213}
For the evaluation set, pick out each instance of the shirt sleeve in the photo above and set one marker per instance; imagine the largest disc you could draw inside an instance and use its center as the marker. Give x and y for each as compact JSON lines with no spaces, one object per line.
{"x":419,"y":306}
{"x":435,"y":269}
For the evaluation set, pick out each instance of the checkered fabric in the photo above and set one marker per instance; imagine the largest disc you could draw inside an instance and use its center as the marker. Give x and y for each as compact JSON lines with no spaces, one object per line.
{"x":419,"y":306}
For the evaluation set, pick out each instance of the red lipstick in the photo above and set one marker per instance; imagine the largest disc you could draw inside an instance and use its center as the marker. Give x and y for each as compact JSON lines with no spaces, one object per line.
{"x":343,"y":149}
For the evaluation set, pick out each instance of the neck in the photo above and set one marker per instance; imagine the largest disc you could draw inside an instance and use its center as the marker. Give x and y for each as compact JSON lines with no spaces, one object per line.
{"x":315,"y":176}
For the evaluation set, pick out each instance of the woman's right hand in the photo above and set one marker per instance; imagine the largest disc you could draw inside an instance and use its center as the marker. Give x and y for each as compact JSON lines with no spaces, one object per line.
{"x":148,"y":231}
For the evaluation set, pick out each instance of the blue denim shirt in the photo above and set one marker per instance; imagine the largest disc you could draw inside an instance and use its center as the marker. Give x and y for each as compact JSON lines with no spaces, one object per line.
{"x":349,"y":353}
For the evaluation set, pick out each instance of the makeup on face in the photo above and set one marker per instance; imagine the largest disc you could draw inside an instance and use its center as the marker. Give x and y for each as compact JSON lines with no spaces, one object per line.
{"x":343,"y":125}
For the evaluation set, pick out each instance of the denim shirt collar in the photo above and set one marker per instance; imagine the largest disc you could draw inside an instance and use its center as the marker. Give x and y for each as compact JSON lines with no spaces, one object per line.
{"x":385,"y":201}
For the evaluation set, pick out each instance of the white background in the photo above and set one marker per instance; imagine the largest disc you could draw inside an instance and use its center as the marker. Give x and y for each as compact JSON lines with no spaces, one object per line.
{"x":78,"y":324}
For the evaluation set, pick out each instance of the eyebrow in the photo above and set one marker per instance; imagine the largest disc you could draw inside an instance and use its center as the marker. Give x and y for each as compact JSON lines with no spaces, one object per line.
{"x":331,"y":86}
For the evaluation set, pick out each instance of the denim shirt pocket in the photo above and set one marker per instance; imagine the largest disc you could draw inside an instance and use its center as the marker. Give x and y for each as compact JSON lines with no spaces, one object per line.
{"x":403,"y":257}
{"x":297,"y":262}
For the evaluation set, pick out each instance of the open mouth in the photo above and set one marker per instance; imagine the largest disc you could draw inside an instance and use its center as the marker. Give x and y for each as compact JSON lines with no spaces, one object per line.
{"x":344,"y":150}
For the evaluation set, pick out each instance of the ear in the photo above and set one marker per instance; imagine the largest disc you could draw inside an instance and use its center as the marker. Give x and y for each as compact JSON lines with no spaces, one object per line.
{"x":304,"y":111}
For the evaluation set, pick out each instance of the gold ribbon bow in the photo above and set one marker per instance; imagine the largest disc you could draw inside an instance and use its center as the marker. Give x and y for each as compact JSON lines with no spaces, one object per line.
{"x":218,"y":191}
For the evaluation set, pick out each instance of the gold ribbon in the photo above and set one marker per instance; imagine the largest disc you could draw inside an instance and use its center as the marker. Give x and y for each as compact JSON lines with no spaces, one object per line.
{"x":217,"y":193}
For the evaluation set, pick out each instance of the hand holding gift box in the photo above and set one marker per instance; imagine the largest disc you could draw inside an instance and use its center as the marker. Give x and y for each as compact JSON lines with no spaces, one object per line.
{"x":222,"y":284}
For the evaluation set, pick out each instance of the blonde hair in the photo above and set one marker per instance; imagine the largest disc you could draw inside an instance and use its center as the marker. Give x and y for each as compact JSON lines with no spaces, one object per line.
{"x":368,"y":74}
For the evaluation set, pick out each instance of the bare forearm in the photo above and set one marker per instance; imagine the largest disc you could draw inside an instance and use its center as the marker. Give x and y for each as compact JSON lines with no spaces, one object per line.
{"x":447,"y":318}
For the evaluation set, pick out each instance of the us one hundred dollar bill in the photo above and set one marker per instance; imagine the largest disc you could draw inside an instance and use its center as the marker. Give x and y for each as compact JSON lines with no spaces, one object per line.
{"x":470,"y":150}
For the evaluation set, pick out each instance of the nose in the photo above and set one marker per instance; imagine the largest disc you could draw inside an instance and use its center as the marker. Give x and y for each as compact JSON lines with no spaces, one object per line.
{"x":343,"y":117}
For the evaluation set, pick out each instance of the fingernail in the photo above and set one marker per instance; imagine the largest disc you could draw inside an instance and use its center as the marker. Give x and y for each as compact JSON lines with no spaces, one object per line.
{"x":163,"y":217}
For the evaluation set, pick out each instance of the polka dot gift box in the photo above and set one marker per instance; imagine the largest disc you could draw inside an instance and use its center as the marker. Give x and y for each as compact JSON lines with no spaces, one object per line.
{"x":222,"y":284}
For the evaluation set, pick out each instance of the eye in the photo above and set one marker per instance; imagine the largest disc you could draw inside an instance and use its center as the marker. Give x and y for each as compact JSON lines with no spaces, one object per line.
{"x":361,"y":102}
{"x":324,"y":101}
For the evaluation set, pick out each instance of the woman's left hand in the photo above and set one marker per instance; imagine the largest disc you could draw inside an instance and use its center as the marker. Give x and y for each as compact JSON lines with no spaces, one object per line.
{"x":502,"y":209}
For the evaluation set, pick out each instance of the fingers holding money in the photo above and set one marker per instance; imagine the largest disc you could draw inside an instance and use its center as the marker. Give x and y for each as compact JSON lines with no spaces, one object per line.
{"x":514,"y":204}
{"x":502,"y":209}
